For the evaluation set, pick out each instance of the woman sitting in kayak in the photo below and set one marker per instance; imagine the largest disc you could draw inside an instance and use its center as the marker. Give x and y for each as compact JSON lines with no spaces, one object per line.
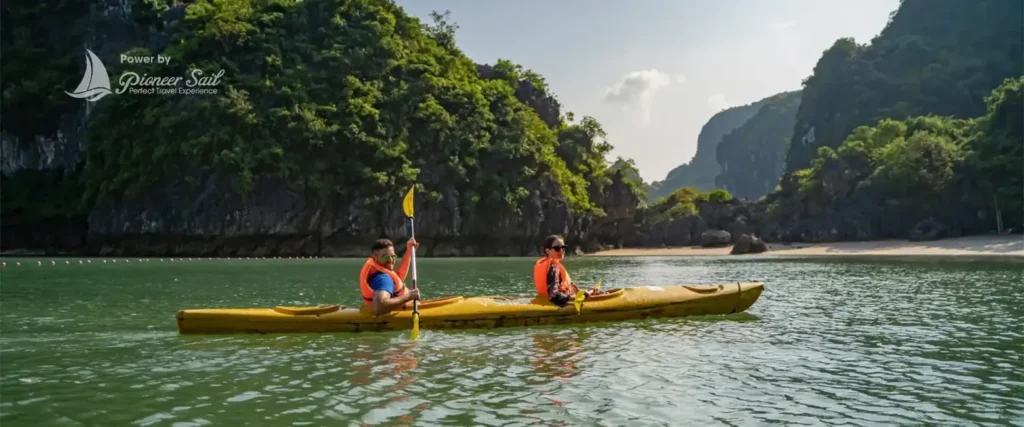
{"x":551,"y":278}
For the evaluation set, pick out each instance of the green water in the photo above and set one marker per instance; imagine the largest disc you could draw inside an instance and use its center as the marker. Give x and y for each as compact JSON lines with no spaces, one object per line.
{"x":831,"y":341}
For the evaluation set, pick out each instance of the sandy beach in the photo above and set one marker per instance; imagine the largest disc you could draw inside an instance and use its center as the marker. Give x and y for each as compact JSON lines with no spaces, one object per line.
{"x":1006,"y":245}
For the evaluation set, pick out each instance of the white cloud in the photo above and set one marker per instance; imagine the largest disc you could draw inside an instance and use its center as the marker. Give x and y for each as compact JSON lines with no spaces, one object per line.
{"x":637,"y":88}
{"x":718,"y":101}
{"x":680,"y":78}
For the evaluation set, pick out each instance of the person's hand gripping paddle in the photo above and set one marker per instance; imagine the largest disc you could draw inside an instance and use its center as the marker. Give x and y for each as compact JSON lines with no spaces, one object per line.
{"x":581,"y":295}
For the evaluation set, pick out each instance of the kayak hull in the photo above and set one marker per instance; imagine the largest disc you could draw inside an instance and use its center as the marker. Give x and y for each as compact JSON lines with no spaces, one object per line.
{"x":479,"y":312}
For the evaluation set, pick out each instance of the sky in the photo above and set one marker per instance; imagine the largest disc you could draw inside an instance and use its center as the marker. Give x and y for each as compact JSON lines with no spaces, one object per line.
{"x":654,"y":72}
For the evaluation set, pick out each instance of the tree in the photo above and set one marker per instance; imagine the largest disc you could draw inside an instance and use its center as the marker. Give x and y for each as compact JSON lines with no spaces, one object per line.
{"x":998,"y":153}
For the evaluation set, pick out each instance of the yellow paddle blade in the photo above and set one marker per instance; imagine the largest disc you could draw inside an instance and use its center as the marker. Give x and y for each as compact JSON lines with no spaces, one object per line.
{"x":407,"y":203}
{"x":415,"y":327}
{"x":578,"y":301}
{"x":597,"y":287}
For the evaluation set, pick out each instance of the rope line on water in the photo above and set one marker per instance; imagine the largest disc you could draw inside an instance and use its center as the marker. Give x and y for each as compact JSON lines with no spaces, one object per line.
{"x":54,"y":263}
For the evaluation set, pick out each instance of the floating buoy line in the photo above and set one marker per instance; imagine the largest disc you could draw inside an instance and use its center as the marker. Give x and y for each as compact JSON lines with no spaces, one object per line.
{"x":84,"y":262}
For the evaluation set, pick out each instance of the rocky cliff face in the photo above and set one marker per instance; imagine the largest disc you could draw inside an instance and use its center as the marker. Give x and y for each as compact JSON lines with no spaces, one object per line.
{"x":275,"y":220}
{"x":621,"y":206}
{"x":42,"y":139}
{"x":700,"y":172}
{"x":753,"y":156}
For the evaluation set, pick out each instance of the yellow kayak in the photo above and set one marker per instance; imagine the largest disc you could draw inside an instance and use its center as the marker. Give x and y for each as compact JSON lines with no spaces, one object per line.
{"x":457,"y":312}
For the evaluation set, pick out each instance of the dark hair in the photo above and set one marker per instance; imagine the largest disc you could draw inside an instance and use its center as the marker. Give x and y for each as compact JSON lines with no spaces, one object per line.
{"x":381,"y":244}
{"x":550,"y":240}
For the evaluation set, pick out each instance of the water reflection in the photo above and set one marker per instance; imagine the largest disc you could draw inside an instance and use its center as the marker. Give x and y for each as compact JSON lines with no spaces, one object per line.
{"x":391,"y":361}
{"x":557,"y":354}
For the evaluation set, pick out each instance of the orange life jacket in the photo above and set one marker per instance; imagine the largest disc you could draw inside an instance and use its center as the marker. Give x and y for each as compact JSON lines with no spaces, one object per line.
{"x":369,"y":268}
{"x":540,"y":276}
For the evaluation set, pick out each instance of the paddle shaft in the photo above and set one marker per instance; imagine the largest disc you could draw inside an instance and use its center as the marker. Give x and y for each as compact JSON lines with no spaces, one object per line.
{"x":412,"y":233}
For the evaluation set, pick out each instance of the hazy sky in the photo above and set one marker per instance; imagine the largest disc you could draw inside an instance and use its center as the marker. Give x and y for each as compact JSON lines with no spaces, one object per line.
{"x":653,"y":72}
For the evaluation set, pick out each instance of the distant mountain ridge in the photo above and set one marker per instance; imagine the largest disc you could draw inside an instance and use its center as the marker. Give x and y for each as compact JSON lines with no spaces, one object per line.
{"x":753,"y":156}
{"x":701,"y":170}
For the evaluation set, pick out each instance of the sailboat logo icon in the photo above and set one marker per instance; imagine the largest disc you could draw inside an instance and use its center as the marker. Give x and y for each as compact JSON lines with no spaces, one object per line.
{"x":95,"y":83}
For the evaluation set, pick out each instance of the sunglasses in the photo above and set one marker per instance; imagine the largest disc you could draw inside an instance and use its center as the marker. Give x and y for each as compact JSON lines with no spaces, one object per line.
{"x":386,"y":258}
{"x":558,"y":248}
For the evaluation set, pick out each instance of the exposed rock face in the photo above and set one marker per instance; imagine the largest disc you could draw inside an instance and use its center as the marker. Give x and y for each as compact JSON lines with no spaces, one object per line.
{"x":276,"y":220}
{"x":715,"y":238}
{"x":748,"y":244}
{"x":929,"y":229}
{"x":753,"y":156}
{"x":700,"y":172}
{"x":60,"y":152}
{"x":621,"y":207}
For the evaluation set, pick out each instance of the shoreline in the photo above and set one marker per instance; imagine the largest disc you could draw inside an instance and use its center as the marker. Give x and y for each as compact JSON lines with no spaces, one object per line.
{"x":995,"y":245}
{"x":988,"y":245}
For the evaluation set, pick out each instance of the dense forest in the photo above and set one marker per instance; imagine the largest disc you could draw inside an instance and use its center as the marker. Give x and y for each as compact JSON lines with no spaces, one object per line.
{"x":939,"y":57}
{"x":923,"y":177}
{"x":329,"y":110}
{"x":912,"y":131}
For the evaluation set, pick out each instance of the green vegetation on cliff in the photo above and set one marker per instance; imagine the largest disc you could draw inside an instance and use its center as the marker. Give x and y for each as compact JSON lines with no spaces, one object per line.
{"x":344,"y":101}
{"x":753,"y":156}
{"x":932,"y":170}
{"x":683,"y":202}
{"x":938,"y":57}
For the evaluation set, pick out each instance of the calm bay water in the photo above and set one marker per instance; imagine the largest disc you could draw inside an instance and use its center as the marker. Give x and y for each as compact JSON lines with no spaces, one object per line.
{"x":832,"y":341}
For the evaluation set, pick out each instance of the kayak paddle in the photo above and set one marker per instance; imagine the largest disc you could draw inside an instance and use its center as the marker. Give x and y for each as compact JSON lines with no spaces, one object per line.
{"x":578,"y":301}
{"x":581,"y":295}
{"x":407,"y":206}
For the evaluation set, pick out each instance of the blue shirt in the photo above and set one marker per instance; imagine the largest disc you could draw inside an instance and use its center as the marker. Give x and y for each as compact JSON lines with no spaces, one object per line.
{"x":382,"y":282}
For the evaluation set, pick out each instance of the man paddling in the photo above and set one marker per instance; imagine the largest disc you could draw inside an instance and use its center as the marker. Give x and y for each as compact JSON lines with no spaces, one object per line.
{"x":551,"y":278}
{"x":383,"y":289}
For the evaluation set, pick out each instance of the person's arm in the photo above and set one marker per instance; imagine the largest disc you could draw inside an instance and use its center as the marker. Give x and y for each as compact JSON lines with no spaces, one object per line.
{"x":384,"y":303}
{"x":403,"y":268}
{"x":383,"y":287}
{"x":554,"y":295}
